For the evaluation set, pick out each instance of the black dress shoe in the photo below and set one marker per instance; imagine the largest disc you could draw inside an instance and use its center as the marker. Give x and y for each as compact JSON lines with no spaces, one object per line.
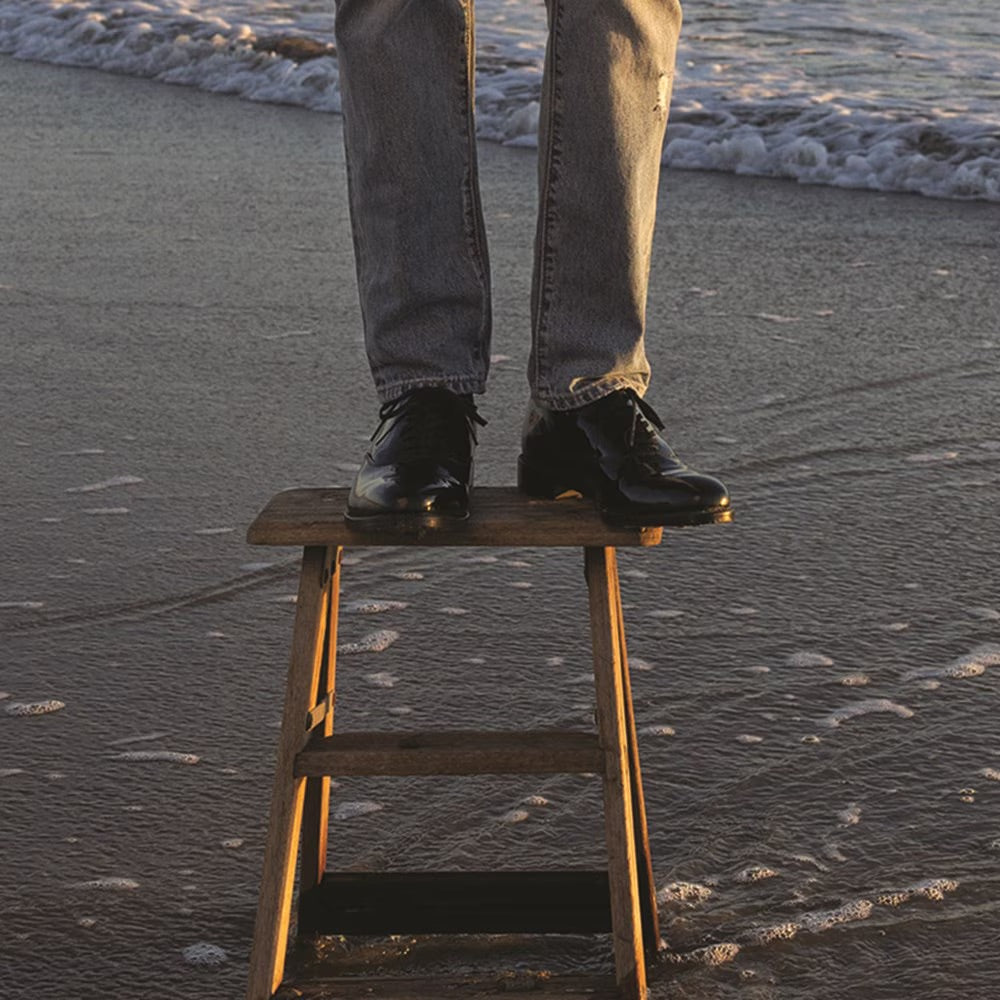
{"x":418,"y":469}
{"x":611,"y":450}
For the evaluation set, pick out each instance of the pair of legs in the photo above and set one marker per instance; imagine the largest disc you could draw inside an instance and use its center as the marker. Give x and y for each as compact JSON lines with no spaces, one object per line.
{"x":407,"y":84}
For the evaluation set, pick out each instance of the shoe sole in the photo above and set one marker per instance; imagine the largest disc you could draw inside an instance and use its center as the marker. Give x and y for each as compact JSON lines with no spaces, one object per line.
{"x":543,"y":486}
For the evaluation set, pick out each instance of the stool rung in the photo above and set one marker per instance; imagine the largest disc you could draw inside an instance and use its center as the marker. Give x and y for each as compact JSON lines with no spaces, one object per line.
{"x":503,"y":902}
{"x":413,"y":753}
{"x":502,"y":987}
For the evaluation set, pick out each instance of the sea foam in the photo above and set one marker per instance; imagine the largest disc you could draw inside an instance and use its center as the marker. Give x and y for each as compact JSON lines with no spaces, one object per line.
{"x":106,"y":484}
{"x":31,"y":708}
{"x":203,"y":953}
{"x":868,"y":707}
{"x":113,"y":883}
{"x":351,"y":810}
{"x":166,"y":756}
{"x":374,"y":642}
{"x":866,"y":126}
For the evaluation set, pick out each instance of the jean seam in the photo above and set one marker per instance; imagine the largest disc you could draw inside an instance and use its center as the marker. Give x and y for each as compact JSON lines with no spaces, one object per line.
{"x":546,"y":206}
{"x":471,"y":199}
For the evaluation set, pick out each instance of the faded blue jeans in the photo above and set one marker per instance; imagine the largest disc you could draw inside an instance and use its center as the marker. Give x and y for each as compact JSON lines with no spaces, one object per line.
{"x":407,"y":78}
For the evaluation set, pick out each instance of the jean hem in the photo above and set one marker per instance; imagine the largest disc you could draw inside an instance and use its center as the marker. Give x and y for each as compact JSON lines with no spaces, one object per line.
{"x":462,"y":385}
{"x":590,"y":394}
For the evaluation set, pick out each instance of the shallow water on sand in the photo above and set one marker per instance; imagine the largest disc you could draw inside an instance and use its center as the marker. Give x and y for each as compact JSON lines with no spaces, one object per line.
{"x":815,"y":685}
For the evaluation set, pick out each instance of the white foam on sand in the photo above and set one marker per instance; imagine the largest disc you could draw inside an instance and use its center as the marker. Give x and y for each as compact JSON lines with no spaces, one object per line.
{"x":32,"y":708}
{"x":658,"y":731}
{"x":106,"y":484}
{"x":933,"y":889}
{"x":773,"y":932}
{"x":756,"y":873}
{"x":635,"y":574}
{"x":850,"y":816}
{"x":165,"y":756}
{"x":351,"y":810}
{"x":113,"y":883}
{"x":712,"y":954}
{"x":683,"y":892}
{"x":513,"y":816}
{"x":926,"y":457}
{"x":374,"y":642}
{"x":870,"y":706}
{"x":809,"y":658}
{"x":823,"y":920}
{"x":374,"y":607}
{"x":203,"y":953}
{"x":855,"y":680}
{"x":382,"y":679}
{"x":972,"y":664}
{"x":539,"y":801}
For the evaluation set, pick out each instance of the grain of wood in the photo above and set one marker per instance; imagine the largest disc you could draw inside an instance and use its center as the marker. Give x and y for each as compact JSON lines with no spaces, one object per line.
{"x":267,"y":955}
{"x":316,"y":810}
{"x":501,"y":516}
{"x":644,"y":859}
{"x":626,"y":918}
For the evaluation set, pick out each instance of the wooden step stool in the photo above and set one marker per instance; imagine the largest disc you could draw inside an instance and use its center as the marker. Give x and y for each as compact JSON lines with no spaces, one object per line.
{"x":621,"y":900}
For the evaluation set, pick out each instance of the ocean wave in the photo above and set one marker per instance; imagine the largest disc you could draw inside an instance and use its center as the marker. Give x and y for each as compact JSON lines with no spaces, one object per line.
{"x":787,"y":128}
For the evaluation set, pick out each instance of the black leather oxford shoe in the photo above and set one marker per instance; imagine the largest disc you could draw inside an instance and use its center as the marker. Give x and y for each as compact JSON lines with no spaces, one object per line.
{"x":418,"y":469}
{"x":612,"y":450}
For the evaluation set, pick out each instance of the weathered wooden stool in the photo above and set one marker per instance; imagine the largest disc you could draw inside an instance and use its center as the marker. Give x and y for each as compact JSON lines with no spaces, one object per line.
{"x":620,"y":900}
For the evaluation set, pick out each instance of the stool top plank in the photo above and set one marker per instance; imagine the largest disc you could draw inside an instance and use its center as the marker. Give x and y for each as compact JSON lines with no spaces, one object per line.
{"x":501,"y":516}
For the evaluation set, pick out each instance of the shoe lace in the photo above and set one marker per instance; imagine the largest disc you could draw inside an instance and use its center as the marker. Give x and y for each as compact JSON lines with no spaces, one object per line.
{"x":421,"y":437}
{"x":645,"y":444}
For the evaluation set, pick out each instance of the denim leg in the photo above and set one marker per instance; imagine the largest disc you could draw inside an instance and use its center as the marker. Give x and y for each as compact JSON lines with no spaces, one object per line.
{"x":608,"y":75}
{"x":406,"y":78}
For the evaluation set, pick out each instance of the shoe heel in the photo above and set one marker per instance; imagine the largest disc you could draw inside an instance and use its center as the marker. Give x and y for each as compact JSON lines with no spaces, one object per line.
{"x":544,"y":484}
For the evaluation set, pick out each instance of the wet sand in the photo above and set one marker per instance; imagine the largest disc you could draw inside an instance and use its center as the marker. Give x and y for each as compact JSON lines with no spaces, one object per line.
{"x":179,"y":338}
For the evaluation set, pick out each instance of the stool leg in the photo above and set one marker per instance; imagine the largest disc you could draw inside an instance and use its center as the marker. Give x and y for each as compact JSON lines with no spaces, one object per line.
{"x":626,"y":919}
{"x":267,"y":956}
{"x":644,"y":859}
{"x":316,"y":810}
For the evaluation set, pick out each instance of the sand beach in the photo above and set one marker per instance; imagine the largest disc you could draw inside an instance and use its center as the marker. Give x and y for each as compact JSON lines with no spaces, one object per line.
{"x":816,"y":683}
